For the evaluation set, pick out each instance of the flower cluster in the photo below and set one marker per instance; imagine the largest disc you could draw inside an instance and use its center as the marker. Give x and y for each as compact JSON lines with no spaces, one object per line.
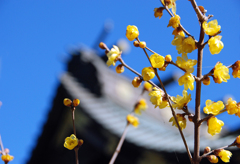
{"x":213,"y":107}
{"x":184,"y":45}
{"x":70,"y":103}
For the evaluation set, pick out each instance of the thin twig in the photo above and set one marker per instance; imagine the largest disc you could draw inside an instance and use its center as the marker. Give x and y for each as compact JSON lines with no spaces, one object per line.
{"x":210,"y":115}
{"x":200,"y":16}
{"x":1,"y":144}
{"x":118,"y":149}
{"x":224,"y":147}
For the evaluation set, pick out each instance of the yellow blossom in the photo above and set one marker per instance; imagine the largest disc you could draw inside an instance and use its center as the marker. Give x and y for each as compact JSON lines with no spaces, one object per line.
{"x":67,"y":102}
{"x":132,"y":120}
{"x":211,"y":28}
{"x":142,"y":44}
{"x":186,"y":63}
{"x":147,"y":86}
{"x":132,"y":32}
{"x":231,"y":106}
{"x":213,"y":107}
{"x":178,"y":31}
{"x":76,"y":102}
{"x":141,"y":105}
{"x":178,"y":42}
{"x":236,"y":69}
{"x":181,"y":121}
{"x":158,"y":12}
{"x":187,"y":80}
{"x":181,"y":101}
{"x":148,"y":73}
{"x":7,"y":158}
{"x":163,"y":104}
{"x":113,"y":55}
{"x":188,"y":45}
{"x":214,"y":125}
{"x":71,"y":142}
{"x":221,"y":73}
{"x":168,"y":58}
{"x":238,"y":113}
{"x":213,"y":158}
{"x":174,"y":21}
{"x":156,"y":96}
{"x":157,"y":61}
{"x":171,"y":4}
{"x":225,"y":155}
{"x":215,"y":44}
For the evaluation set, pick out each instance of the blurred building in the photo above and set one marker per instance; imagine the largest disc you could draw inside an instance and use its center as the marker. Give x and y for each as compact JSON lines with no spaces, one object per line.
{"x":106,"y":99}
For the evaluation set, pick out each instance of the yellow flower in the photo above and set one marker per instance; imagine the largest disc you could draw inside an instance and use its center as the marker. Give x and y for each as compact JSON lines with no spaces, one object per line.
{"x":186,"y":63}
{"x":181,"y":101}
{"x":7,"y":158}
{"x":156,"y":96}
{"x":231,"y":106}
{"x":168,"y":58}
{"x":178,"y":31}
{"x":181,"y":121}
{"x":212,"y":158}
{"x":225,"y":155}
{"x":171,"y":4}
{"x":148,"y":73}
{"x":163,"y":104}
{"x":214,"y":125}
{"x":211,"y":28}
{"x":174,"y":21}
{"x":220,"y":73}
{"x":136,"y":82}
{"x":236,"y":69}
{"x":157,"y":61}
{"x":67,"y":102}
{"x":147,"y":86}
{"x":76,"y":102}
{"x":188,"y":45}
{"x":113,"y":55}
{"x":215,"y":44}
{"x":132,"y":32}
{"x":141,"y":105}
{"x":187,"y":80}
{"x":132,"y":120}
{"x":177,"y":41}
{"x":158,"y":12}
{"x":213,"y":107}
{"x":71,"y":142}
{"x":238,"y":113}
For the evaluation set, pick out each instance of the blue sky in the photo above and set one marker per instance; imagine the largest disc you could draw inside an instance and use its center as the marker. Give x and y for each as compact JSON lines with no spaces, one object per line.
{"x":36,"y":36}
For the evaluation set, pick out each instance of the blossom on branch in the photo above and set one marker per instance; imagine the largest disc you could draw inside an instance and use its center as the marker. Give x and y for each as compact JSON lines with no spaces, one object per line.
{"x":132,"y":120}
{"x":140,"y":106}
{"x":211,"y":28}
{"x":174,"y":21}
{"x":158,"y":12}
{"x":220,"y":73}
{"x":113,"y":55}
{"x":225,"y":155}
{"x":186,"y":63}
{"x":213,"y":107}
{"x":181,"y":101}
{"x":71,"y":142}
{"x":132,"y":32}
{"x":214,"y":125}
{"x":215,"y":44}
{"x":156,"y":96}
{"x":231,"y":106}
{"x":7,"y":158}
{"x":148,"y":73}
{"x":187,"y":80}
{"x":157,"y":61}
{"x":181,"y":121}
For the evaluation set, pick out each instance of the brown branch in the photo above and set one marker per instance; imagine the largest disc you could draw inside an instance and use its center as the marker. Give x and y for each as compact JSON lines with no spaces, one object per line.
{"x":210,"y":115}
{"x":118,"y":149}
{"x":200,"y":16}
{"x":224,"y":147}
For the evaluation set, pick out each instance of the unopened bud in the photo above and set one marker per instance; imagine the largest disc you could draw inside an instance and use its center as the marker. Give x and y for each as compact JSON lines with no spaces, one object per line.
{"x":67,"y":102}
{"x":191,"y":117}
{"x":206,"y":80}
{"x":142,"y":44}
{"x":168,"y":58}
{"x":103,"y":45}
{"x":162,"y":68}
{"x":207,"y":150}
{"x":80,"y":142}
{"x":201,"y":8}
{"x":148,"y":86}
{"x":136,"y":43}
{"x":6,"y":150}
{"x":212,"y":158}
{"x":120,"y":68}
{"x":136,"y":82}
{"x":76,"y":102}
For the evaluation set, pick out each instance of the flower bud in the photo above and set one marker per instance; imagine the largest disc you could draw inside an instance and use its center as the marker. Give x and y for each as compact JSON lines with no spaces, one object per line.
{"x":67,"y":102}
{"x":162,"y":69}
{"x":76,"y":102}
{"x":158,"y":12}
{"x":136,"y":82}
{"x":136,"y":43}
{"x":148,"y":86}
{"x":120,"y":68}
{"x":142,"y":44}
{"x":191,"y":117}
{"x":207,"y":150}
{"x":80,"y":142}
{"x":6,"y":150}
{"x":206,"y":80}
{"x":212,"y":158}
{"x":168,"y":58}
{"x":103,"y":45}
{"x":201,"y":8}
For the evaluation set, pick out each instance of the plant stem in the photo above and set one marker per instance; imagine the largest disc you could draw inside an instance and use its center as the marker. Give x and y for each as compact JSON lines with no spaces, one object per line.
{"x":118,"y":149}
{"x":74,"y":130}
{"x":76,"y":155}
